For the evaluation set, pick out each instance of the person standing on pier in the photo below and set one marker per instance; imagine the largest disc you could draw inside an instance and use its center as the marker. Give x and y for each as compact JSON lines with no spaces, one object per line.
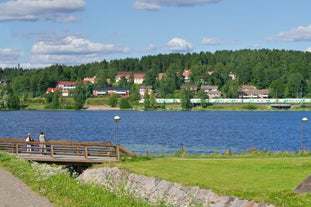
{"x":42,"y":146}
{"x":28,"y":140}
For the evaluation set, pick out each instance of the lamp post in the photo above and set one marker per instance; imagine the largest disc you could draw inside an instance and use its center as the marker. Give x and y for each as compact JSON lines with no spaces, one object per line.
{"x":304,"y":120}
{"x":116,"y":119}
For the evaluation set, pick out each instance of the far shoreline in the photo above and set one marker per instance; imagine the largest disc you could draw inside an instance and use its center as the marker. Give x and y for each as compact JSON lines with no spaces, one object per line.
{"x":216,"y":107}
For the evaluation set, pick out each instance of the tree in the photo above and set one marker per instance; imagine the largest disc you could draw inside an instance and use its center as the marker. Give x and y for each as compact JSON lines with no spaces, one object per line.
{"x":123,"y":82}
{"x":169,"y":83}
{"x":258,"y":75}
{"x":14,"y":102}
{"x":185,"y":100}
{"x":146,"y":100}
{"x":277,"y":88}
{"x":295,"y":85}
{"x":4,"y":95}
{"x":134,"y":93}
{"x":79,"y":95}
{"x":113,"y":100}
{"x":152,"y":100}
{"x":203,"y":96}
{"x":231,"y":89}
{"x":55,"y":103}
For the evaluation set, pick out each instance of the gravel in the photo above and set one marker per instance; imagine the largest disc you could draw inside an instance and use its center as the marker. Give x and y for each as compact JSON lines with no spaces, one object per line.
{"x":15,"y":193}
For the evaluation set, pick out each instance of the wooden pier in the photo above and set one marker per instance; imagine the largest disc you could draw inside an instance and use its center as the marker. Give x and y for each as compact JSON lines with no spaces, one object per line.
{"x":65,"y":152}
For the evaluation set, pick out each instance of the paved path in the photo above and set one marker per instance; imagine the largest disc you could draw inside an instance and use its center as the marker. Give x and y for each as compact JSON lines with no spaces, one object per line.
{"x":15,"y":193}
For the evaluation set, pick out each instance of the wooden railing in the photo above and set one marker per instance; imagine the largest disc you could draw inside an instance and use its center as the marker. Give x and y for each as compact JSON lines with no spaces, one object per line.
{"x":61,"y":148}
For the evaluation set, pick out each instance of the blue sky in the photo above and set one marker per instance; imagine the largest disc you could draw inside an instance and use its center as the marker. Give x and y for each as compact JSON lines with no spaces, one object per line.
{"x":39,"y":33}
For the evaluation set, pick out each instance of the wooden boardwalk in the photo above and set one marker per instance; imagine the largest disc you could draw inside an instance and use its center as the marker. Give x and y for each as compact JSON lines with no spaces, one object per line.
{"x":65,"y":152}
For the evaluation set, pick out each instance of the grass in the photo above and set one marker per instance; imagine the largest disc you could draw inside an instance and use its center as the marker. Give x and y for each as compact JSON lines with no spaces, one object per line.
{"x":97,"y":101}
{"x":269,"y":179}
{"x":253,"y":176}
{"x":61,"y":188}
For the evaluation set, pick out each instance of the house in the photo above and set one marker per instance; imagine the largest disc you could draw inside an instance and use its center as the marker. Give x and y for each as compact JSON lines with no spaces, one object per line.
{"x":143,"y":89}
{"x":248,"y":88}
{"x":91,"y":80}
{"x":99,"y":91}
{"x":51,"y":90}
{"x":211,"y":72}
{"x":232,"y":76}
{"x":212,"y":91}
{"x":192,"y":87}
{"x":160,"y":76}
{"x":252,"y":92}
{"x":66,"y":86}
{"x":5,"y":81}
{"x":138,"y":77}
{"x":122,"y":74}
{"x":186,"y":74}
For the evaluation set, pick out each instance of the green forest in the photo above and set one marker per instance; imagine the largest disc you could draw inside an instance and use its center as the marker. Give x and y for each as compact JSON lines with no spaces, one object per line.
{"x":285,"y":73}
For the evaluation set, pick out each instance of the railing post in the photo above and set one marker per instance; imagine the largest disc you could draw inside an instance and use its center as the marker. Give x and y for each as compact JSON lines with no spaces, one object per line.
{"x":118,"y":152}
{"x":51,"y":150}
{"x":85,"y":151}
{"x":16,"y":148}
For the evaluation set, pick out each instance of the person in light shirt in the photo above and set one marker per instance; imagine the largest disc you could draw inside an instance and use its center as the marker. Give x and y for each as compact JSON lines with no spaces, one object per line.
{"x":28,"y":140}
{"x":42,"y":146}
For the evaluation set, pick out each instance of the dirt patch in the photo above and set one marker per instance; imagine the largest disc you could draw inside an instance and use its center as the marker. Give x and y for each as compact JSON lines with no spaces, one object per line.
{"x":101,"y":107}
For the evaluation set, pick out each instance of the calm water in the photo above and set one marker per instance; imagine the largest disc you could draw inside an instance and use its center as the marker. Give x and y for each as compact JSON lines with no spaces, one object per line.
{"x":162,"y":132}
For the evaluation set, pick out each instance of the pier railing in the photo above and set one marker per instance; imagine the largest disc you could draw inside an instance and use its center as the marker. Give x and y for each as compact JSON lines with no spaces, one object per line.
{"x":54,"y":148}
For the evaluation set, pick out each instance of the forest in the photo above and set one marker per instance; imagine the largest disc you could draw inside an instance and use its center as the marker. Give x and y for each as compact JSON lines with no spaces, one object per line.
{"x":285,"y":73}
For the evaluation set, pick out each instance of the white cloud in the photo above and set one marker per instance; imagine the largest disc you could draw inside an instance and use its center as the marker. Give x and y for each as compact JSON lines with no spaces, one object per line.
{"x":179,"y":45}
{"x":74,"y":45}
{"x":157,"y":4}
{"x":308,"y":49}
{"x":32,"y":10}
{"x":9,"y":56}
{"x":211,"y":41}
{"x":301,"y":33}
{"x":152,"y":47}
{"x":71,"y":50}
{"x":44,"y":60}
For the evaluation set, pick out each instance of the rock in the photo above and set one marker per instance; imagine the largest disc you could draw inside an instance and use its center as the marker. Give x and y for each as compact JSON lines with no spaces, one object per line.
{"x":304,"y":187}
{"x":155,"y":190}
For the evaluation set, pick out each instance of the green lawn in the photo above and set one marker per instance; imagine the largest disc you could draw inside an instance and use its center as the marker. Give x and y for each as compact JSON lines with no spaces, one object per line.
{"x":269,"y":179}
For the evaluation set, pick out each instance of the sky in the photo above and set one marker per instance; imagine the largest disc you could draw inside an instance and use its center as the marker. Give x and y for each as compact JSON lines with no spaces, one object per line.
{"x":40,"y":33}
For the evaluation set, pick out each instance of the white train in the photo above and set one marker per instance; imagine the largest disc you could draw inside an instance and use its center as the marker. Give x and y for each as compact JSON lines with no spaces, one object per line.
{"x":239,"y":101}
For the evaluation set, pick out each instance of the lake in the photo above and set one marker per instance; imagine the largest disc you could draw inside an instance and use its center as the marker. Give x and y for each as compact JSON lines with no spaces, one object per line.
{"x":165,"y":132}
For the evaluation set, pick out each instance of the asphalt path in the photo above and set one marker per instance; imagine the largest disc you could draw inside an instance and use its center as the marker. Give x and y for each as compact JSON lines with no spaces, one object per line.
{"x":15,"y":193}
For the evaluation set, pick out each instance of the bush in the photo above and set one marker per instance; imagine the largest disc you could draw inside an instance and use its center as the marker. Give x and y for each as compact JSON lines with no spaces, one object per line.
{"x":124,"y":104}
{"x":250,"y":107}
{"x":113,"y":101}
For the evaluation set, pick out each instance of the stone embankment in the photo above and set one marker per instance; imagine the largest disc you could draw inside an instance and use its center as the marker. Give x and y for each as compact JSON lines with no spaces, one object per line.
{"x":156,"y":191}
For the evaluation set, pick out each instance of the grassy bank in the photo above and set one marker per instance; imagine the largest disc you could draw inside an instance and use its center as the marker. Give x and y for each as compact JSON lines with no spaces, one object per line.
{"x":60,"y":188}
{"x":269,"y":179}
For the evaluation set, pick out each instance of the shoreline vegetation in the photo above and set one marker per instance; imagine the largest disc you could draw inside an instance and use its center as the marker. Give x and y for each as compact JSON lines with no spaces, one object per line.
{"x":102,"y":103}
{"x":262,"y":177}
